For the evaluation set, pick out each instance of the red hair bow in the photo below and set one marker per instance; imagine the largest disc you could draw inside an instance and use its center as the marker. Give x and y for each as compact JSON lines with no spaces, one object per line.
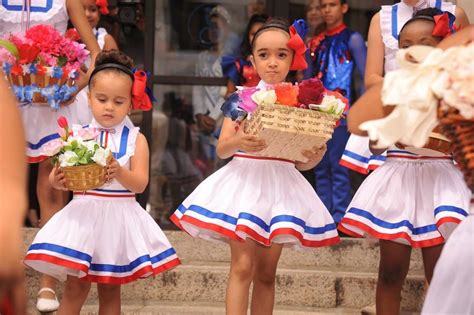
{"x":443,"y":25}
{"x":297,"y":44}
{"x":140,"y":99}
{"x":103,"y":6}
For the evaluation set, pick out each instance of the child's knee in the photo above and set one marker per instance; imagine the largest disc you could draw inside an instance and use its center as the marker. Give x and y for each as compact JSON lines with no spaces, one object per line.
{"x":392,"y":275}
{"x":77,"y":287}
{"x":243,"y":269}
{"x":108,"y":291}
{"x":265,"y":276}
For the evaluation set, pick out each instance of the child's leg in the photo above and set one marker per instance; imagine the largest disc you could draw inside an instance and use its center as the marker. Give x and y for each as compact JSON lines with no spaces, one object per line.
{"x":109,"y":299}
{"x":75,"y":294}
{"x":393,"y":269}
{"x":50,"y":201}
{"x":430,"y":258}
{"x":263,"y":295}
{"x":242,"y":270}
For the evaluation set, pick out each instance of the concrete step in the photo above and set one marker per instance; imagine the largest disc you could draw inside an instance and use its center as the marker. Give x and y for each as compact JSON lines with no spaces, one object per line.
{"x":196,"y":308}
{"x":294,"y":288}
{"x":349,"y":254}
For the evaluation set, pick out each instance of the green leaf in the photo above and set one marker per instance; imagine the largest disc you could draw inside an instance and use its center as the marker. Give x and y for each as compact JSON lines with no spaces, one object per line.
{"x":83,"y":160}
{"x":62,"y":60}
{"x":8,"y":45}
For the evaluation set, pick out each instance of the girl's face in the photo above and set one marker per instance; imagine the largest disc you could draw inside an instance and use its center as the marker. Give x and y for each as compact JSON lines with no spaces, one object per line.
{"x":313,"y":14}
{"x":110,"y":97}
{"x":92,"y":12}
{"x":271,"y":56}
{"x":255,"y":27}
{"x":418,"y":33}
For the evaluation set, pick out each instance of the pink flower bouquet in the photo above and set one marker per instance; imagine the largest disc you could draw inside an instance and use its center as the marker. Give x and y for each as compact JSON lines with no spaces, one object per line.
{"x":41,"y":64}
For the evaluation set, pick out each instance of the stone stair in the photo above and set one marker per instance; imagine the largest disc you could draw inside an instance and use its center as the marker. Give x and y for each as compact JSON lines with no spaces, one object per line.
{"x":332,"y":280}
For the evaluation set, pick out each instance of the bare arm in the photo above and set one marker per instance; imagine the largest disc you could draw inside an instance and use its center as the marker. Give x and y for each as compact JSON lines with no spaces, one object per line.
{"x":13,"y":174}
{"x":135,"y":179}
{"x":375,"y":53}
{"x":110,"y":43}
{"x":79,"y":20}
{"x":231,"y":140}
{"x":461,"y":18}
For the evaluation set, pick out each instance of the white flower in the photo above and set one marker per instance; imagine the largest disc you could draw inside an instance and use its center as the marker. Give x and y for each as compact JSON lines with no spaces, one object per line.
{"x":90,"y":145}
{"x":101,"y":156}
{"x":79,"y":140}
{"x":331,"y":105}
{"x":68,"y":158}
{"x":264,"y":97}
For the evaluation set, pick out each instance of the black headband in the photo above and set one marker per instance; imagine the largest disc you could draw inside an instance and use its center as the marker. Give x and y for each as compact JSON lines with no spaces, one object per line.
{"x":266,"y":27}
{"x":416,"y":18}
{"x":111,"y":66}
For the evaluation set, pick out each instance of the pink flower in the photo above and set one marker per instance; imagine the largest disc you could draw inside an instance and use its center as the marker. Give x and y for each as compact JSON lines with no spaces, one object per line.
{"x":62,"y":122}
{"x":52,"y":147}
{"x":6,"y":56}
{"x":88,"y":133}
{"x":246,"y":101}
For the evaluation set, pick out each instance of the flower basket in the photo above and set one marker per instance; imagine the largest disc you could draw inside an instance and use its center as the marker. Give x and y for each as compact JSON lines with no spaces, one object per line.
{"x":288,"y":130}
{"x":84,"y":177}
{"x":460,"y":131}
{"x":41,"y":65}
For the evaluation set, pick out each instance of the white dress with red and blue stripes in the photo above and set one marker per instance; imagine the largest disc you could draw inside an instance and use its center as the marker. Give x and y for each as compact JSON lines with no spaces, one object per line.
{"x":411,"y":199}
{"x":265,"y":199}
{"x":103,"y":235}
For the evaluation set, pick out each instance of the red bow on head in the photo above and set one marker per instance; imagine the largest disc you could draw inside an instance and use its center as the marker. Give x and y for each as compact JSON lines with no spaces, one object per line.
{"x":443,"y":25}
{"x":103,"y":6}
{"x":140,"y":100}
{"x":297,"y":44}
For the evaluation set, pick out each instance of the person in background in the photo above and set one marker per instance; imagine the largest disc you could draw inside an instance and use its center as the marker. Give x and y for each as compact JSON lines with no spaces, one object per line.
{"x":335,"y":54}
{"x":239,"y":70}
{"x":94,"y":9}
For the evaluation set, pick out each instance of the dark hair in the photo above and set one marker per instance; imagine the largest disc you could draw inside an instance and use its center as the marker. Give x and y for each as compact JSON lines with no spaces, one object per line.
{"x":427,"y":14}
{"x":112,"y":61}
{"x":246,"y":46}
{"x":277,"y":23}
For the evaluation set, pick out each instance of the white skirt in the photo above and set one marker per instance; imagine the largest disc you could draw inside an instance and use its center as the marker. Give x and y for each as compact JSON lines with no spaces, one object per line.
{"x":416,"y":202}
{"x":103,"y":240}
{"x":265,"y":199}
{"x":452,"y":288}
{"x":41,"y":126}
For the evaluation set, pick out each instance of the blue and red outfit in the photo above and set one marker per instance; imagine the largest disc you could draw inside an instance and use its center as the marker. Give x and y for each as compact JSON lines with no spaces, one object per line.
{"x":240,"y":71}
{"x":334,"y":55}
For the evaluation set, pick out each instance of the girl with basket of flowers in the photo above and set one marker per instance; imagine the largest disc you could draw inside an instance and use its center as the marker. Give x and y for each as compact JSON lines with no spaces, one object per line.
{"x":259,"y":204}
{"x":103,"y":235}
{"x":414,"y":200}
{"x":40,"y":121}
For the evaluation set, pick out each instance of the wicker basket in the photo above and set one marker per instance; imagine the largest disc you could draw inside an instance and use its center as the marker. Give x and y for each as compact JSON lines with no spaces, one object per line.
{"x":461,"y":133}
{"x":84,"y":177}
{"x":289,"y":130}
{"x":41,"y":80}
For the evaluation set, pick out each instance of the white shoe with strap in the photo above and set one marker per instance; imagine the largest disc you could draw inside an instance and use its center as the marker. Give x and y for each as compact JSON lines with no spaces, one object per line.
{"x":47,"y":305}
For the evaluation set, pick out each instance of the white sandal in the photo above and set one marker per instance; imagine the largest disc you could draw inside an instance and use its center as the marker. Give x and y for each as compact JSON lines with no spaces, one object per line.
{"x":47,"y":305}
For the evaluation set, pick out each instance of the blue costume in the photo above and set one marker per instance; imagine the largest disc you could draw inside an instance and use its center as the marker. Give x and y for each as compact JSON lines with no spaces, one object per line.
{"x":334,"y":55}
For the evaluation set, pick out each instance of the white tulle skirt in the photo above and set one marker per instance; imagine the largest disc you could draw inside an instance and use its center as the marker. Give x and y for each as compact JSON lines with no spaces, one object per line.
{"x":41,"y":127}
{"x":265,"y":199}
{"x":103,"y":240}
{"x":417,"y":202}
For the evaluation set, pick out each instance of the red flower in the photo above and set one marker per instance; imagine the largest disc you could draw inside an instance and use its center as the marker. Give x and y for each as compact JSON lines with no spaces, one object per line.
{"x":17,"y":69}
{"x":62,"y":122}
{"x":28,"y":53}
{"x":310,"y":91}
{"x":41,"y":69}
{"x":73,"y":34}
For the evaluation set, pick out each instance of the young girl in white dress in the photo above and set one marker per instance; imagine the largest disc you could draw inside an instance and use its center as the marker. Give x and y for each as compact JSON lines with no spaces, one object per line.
{"x":103,"y":235}
{"x":258,"y":204}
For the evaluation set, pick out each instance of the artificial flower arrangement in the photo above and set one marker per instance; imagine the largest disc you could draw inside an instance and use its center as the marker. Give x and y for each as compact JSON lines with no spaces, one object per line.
{"x":289,"y":117}
{"x":41,"y":64}
{"x":78,"y":154}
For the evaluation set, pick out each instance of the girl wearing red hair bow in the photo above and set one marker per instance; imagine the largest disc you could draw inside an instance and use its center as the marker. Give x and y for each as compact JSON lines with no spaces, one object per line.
{"x":103,"y":235}
{"x":93,"y":10}
{"x":259,"y":204}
